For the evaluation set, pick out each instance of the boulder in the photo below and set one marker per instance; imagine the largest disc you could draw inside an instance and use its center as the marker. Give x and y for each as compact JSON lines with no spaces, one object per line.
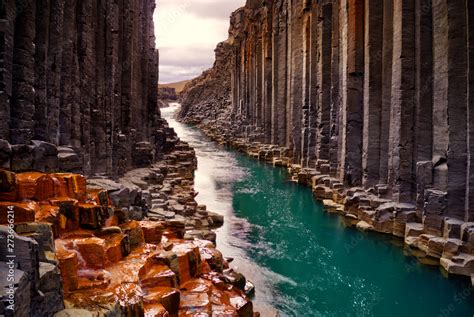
{"x":412,"y":231}
{"x":45,"y":156}
{"x":461,"y":264}
{"x":234,"y":278}
{"x":436,"y":202}
{"x":143,"y":154}
{"x":452,"y":228}
{"x":364,"y":226}
{"x":433,"y":224}
{"x":22,"y":157}
{"x":7,"y":185}
{"x":69,"y":160}
{"x":168,"y":297}
{"x":400,"y":221}
{"x":42,"y":233}
{"x":201,"y":234}
{"x":452,"y":247}
{"x":436,"y":247}
{"x":467,"y":236}
{"x":5,"y":154}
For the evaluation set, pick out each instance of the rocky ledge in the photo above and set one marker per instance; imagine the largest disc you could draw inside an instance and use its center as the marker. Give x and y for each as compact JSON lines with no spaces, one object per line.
{"x":137,"y":245}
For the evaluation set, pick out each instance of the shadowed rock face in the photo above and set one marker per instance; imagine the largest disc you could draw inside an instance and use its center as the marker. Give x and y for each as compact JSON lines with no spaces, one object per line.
{"x":80,"y":76}
{"x":379,"y":93}
{"x":207,"y":97}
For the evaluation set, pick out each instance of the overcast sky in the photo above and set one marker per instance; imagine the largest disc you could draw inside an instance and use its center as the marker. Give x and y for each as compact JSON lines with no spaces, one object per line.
{"x":187,"y":33}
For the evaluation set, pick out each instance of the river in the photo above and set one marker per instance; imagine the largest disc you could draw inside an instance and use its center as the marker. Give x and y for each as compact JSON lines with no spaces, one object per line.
{"x":303,"y":261}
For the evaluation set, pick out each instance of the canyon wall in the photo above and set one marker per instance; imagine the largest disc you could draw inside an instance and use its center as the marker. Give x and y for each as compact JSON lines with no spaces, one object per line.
{"x":378,"y":94}
{"x":78,"y":86}
{"x":208,"y":97}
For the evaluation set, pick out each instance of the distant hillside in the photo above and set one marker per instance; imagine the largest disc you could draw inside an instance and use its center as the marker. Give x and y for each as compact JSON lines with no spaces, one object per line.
{"x":179,"y":86}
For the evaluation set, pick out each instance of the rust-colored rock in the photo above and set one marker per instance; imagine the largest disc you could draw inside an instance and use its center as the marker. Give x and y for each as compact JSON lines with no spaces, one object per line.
{"x":69,"y":265}
{"x":127,"y":267}
{"x":18,"y":212}
{"x":168,"y":297}
{"x":152,"y":231}
{"x":92,"y":251}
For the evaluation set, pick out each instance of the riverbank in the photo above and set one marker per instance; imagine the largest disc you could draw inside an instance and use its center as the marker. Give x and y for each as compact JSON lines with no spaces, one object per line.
{"x":449,"y":244}
{"x":136,"y":245}
{"x":309,"y":263}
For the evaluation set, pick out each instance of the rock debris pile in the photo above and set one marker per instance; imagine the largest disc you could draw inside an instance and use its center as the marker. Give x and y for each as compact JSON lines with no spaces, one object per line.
{"x":136,"y":246}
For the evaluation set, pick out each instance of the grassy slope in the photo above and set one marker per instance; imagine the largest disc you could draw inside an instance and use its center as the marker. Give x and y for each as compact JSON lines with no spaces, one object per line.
{"x":179,"y":86}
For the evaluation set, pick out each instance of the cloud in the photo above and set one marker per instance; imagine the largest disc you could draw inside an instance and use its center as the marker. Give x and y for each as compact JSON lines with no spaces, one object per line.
{"x":181,"y":63}
{"x":171,"y":74}
{"x":215,"y":9}
{"x":187,"y":33}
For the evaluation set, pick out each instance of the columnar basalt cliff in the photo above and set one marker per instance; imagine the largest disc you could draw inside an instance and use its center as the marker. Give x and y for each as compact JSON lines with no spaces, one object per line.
{"x":80,"y":76}
{"x":376,"y":96}
{"x":78,"y":93}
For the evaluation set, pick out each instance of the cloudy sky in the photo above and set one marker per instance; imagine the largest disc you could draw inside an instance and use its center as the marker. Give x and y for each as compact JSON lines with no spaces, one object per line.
{"x":187,"y":32}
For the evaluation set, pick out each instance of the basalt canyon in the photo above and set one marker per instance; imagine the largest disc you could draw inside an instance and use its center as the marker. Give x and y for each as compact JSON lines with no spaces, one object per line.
{"x":78,"y":95}
{"x":362,"y":108}
{"x":367,"y":102}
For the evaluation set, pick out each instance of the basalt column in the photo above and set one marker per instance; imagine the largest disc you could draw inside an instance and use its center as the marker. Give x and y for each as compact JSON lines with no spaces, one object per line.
{"x":457,"y":109}
{"x":86,"y":57}
{"x":387,"y":66}
{"x":470,"y":110}
{"x":423,"y":149}
{"x":324,"y":80}
{"x":53,"y":69}
{"x":295,"y":81}
{"x":312,"y":89}
{"x":353,"y":68}
{"x":372,"y":91}
{"x":22,"y":104}
{"x":69,"y":113}
{"x":259,"y":115}
{"x":309,"y":121}
{"x":78,"y":82}
{"x":7,"y":13}
{"x":41,"y":51}
{"x":267,"y":73}
{"x":402,"y":111}
{"x":375,"y":93}
{"x":101,"y":150}
{"x":280,"y":38}
{"x":335,"y":91}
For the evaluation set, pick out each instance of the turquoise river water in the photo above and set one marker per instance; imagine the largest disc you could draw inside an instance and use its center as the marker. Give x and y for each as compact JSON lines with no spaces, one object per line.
{"x":303,"y":261}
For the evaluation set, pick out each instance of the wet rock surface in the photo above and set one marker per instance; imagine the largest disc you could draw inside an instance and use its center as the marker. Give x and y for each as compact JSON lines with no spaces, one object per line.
{"x":137,"y":245}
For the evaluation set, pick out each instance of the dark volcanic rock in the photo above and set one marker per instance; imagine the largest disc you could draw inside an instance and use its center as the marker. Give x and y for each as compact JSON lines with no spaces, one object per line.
{"x":355,"y":89}
{"x":208,"y":97}
{"x":167,"y":94}
{"x":80,"y":75}
{"x":369,"y":102}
